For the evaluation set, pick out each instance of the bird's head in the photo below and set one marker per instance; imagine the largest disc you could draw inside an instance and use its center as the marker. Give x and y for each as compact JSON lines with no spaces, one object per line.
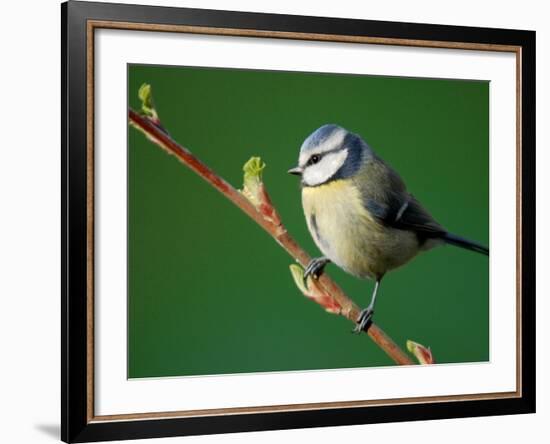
{"x":330,"y":153}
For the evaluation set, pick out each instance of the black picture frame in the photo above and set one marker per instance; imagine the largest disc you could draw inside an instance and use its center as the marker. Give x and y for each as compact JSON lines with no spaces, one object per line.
{"x":76,"y":423}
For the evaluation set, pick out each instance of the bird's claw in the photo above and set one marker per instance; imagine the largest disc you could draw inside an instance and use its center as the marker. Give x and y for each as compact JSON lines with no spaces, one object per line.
{"x":315,"y":268}
{"x":364,"y":321}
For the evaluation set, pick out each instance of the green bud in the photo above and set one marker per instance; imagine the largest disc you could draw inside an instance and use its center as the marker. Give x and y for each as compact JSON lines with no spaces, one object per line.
{"x":297,"y":273}
{"x":253,"y":180}
{"x":145,"y":94}
{"x":423,"y":354}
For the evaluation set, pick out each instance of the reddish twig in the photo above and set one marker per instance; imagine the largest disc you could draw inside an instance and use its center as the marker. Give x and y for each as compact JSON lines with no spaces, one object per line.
{"x":266,"y":216}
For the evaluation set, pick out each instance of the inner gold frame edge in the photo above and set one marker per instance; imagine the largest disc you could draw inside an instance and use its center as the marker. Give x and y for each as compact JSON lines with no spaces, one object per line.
{"x":96,"y":24}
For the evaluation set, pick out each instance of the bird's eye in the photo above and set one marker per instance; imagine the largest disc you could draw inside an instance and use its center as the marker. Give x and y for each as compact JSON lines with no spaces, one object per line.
{"x":314,"y":159}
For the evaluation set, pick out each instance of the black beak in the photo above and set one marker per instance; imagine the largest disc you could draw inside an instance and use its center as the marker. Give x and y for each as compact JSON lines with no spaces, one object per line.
{"x":297,"y":171}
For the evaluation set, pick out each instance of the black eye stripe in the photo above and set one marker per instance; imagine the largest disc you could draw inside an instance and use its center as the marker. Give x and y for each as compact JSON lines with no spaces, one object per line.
{"x":315,"y":158}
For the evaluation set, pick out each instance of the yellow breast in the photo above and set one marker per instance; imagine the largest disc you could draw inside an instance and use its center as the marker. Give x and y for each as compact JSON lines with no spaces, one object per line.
{"x":349,"y":236}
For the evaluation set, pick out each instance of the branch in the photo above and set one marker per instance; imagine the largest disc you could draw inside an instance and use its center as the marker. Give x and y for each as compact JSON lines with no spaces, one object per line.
{"x":265,"y":215}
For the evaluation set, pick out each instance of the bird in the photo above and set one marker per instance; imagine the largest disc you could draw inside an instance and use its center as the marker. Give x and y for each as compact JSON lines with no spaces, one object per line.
{"x":359,"y":212}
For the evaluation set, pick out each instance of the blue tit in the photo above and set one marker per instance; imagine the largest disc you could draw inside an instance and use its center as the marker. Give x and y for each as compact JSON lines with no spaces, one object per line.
{"x":359,"y":212}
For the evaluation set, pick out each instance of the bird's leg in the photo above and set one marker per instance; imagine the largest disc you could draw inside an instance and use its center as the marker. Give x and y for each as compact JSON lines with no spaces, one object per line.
{"x":364,"y":320}
{"x":315,"y":268}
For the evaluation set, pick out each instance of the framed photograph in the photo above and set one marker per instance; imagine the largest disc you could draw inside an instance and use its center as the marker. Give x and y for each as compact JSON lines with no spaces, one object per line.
{"x":389,"y":277}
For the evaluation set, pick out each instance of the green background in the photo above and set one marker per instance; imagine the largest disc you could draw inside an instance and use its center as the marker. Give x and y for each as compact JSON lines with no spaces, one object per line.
{"x":211,"y":293}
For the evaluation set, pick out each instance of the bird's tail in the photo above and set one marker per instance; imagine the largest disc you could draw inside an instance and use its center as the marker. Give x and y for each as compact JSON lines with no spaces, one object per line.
{"x":458,"y":241}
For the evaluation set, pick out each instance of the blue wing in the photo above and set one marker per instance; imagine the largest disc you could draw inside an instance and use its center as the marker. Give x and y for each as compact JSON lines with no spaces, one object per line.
{"x":386,"y":198}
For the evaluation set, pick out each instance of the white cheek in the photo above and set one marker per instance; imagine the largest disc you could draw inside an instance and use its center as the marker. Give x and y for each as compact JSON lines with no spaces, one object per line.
{"x":325,"y":169}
